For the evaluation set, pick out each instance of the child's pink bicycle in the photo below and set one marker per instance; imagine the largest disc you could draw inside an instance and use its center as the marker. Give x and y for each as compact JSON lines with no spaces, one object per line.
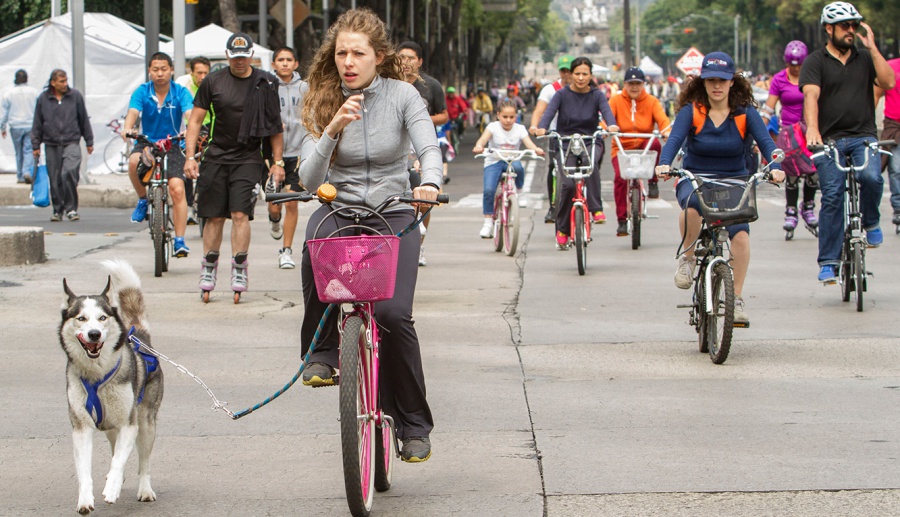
{"x":352,"y":272}
{"x":506,"y":200}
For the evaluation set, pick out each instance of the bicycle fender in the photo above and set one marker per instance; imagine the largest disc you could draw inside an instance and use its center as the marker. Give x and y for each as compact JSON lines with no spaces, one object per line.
{"x":707,"y":282}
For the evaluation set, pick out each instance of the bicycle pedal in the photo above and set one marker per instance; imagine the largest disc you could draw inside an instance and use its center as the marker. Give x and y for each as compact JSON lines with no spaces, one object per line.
{"x":869,"y":273}
{"x":740,"y":325}
{"x":684,"y":306}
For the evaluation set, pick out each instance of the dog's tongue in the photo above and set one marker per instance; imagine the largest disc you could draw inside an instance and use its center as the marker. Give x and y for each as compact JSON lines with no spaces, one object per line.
{"x":88,"y":345}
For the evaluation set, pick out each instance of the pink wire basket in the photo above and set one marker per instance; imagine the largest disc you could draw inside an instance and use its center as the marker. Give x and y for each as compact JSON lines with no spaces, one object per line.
{"x":360,"y":268}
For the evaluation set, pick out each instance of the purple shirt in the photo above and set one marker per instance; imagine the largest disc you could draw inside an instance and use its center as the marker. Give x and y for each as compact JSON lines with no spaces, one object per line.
{"x":789,"y":95}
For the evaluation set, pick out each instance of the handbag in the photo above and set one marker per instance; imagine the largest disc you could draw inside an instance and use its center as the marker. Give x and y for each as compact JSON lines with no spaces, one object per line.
{"x":40,"y":189}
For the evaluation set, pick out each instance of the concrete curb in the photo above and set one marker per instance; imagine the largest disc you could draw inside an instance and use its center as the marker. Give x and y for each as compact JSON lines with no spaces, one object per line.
{"x":104,"y":192}
{"x":21,"y":245}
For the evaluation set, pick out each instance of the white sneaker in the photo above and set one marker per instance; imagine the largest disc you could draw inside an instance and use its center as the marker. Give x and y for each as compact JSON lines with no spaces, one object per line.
{"x":285,"y":260}
{"x":422,"y":261}
{"x":487,"y":231}
{"x":423,"y":230}
{"x":275,"y":229}
{"x":684,"y":275}
{"x":523,"y":203}
{"x":740,"y":317}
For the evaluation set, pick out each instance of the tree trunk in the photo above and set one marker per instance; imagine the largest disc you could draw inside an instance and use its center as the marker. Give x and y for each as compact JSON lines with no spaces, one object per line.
{"x":228,"y":11}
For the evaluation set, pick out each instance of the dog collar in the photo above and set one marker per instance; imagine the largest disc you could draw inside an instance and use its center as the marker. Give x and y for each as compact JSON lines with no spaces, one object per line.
{"x":92,"y":405}
{"x":150,"y":360}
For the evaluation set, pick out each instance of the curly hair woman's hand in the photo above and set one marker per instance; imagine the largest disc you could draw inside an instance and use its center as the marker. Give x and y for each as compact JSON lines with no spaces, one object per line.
{"x":347,"y":113}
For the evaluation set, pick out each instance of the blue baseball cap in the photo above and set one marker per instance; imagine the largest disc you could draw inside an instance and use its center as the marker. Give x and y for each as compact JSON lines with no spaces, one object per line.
{"x":717,"y":64}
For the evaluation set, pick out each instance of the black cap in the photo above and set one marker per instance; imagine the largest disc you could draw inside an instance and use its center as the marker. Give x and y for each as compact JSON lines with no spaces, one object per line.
{"x":239,"y":45}
{"x":635,"y":74}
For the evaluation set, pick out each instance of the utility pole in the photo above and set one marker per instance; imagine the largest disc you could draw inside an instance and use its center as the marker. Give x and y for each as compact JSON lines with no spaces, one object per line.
{"x":626,"y":5}
{"x":737,"y":22}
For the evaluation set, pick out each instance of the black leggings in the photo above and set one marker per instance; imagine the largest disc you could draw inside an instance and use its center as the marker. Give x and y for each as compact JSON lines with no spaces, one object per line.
{"x":402,"y":383}
{"x":792,"y":189}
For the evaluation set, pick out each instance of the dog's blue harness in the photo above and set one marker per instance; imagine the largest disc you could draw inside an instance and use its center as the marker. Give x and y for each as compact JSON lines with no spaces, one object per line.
{"x":92,"y":405}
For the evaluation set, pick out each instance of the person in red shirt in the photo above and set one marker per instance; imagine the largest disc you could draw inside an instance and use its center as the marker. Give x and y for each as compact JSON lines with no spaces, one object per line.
{"x":636,"y":111}
{"x":457,"y":108}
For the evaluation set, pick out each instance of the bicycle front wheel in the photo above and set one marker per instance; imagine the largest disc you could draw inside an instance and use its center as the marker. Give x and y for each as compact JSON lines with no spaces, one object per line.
{"x":859,"y":273}
{"x":498,"y":217}
{"x":158,"y":230}
{"x":635,"y":215}
{"x":511,"y":224}
{"x":357,"y":418}
{"x":385,"y":454}
{"x":721,"y":321}
{"x":580,"y":244}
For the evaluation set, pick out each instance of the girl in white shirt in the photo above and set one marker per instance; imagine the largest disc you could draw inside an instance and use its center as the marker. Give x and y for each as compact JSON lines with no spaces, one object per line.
{"x":502,"y":134}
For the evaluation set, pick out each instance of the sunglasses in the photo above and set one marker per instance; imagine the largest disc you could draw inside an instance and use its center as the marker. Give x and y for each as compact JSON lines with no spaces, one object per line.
{"x":848,"y":25}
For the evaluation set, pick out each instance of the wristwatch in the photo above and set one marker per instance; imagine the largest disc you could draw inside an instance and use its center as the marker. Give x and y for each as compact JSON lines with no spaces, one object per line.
{"x":279,"y":163}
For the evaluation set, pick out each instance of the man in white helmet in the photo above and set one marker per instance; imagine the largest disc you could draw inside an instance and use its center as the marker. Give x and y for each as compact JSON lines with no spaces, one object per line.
{"x":838,"y":104}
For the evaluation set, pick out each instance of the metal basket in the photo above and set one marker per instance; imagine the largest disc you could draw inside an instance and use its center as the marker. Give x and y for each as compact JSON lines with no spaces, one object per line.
{"x":727,"y":202}
{"x":355,"y":269}
{"x":636,"y":164}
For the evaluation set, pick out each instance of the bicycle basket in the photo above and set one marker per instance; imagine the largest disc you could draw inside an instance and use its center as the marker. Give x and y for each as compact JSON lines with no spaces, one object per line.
{"x":146,"y":165}
{"x":727,"y":202}
{"x":360,"y":268}
{"x":635,"y":165}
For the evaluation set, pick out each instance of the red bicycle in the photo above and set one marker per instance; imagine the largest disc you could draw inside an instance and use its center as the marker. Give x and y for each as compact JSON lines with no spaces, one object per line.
{"x":636,"y":166}
{"x":575,"y":147}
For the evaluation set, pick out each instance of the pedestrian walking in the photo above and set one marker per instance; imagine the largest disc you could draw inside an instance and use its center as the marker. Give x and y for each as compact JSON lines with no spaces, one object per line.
{"x":892,"y":132}
{"x":18,"y":114}
{"x":60,"y":122}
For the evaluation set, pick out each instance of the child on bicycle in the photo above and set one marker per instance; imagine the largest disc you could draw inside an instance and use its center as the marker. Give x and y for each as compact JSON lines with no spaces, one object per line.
{"x":503,"y":133}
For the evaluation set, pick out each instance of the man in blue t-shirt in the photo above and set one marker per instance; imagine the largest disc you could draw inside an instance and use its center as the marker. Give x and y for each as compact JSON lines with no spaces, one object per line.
{"x":162,"y":105}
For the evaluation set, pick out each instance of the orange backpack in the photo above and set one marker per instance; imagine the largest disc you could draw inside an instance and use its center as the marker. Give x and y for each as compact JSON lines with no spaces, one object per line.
{"x":740,"y":120}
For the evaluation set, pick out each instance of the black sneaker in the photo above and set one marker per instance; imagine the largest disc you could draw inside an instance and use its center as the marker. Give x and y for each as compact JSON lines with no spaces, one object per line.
{"x":551,"y":215}
{"x":416,"y":449}
{"x":622,"y":229}
{"x":896,"y":219}
{"x":654,"y":191}
{"x":55,"y":218}
{"x":318,"y":375}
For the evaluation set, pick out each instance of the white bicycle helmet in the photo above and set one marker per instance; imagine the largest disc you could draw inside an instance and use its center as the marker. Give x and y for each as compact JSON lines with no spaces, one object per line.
{"x":837,"y":12}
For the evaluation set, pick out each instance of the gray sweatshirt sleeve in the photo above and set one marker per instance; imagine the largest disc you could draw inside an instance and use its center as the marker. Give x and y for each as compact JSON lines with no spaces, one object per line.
{"x":424,"y":139}
{"x":315,"y":155}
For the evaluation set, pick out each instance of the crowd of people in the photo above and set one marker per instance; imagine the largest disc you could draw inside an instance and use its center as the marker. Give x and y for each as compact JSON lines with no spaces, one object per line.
{"x":286,"y":132}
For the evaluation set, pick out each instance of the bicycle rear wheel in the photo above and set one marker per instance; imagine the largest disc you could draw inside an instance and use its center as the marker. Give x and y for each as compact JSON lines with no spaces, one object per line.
{"x":635,"y":215}
{"x":846,"y":271}
{"x":859,"y":273}
{"x":702,"y":316}
{"x":357,"y":419}
{"x":580,"y":244}
{"x":721,"y":322}
{"x":116,"y":154}
{"x":385,"y":454}
{"x":158,"y":230}
{"x":499,"y":210}
{"x":511,"y":224}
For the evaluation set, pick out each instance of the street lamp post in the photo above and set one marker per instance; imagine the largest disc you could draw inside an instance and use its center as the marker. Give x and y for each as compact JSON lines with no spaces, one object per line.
{"x":737,"y":21}
{"x":637,"y":33}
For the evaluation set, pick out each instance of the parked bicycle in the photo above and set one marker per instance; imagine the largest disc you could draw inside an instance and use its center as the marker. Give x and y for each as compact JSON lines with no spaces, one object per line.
{"x":117,"y":150}
{"x":152,"y":171}
{"x":723,"y":202}
{"x":354,"y":267}
{"x":506,"y":200}
{"x":852,"y":272}
{"x":576,"y":147}
{"x":636,"y":166}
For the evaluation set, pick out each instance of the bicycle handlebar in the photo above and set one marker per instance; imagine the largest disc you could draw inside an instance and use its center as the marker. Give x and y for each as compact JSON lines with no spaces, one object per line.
{"x":305,"y":196}
{"x":830,"y":148}
{"x":510,"y":155}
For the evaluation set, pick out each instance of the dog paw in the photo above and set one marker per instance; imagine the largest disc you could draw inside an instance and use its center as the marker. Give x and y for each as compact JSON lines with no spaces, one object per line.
{"x":112,"y":490}
{"x":146,"y":495}
{"x":85,"y":507}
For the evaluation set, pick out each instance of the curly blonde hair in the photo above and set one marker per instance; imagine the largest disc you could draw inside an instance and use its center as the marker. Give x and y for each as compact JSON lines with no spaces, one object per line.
{"x":325,"y":96}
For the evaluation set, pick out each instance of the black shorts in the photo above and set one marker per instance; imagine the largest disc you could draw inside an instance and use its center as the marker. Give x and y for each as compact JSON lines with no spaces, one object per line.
{"x":226,"y":188}
{"x":174,"y":160}
{"x":292,"y":174}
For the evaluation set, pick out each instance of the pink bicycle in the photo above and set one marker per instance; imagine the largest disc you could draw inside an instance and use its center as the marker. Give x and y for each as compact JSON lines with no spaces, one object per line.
{"x":351,"y":273}
{"x":636,"y":166}
{"x":506,"y":200}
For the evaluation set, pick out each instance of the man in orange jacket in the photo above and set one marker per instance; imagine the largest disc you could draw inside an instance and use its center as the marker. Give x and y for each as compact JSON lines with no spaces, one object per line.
{"x":636,"y":111}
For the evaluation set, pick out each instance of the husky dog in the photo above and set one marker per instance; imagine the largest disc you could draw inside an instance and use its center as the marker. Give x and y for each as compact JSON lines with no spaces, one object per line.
{"x":110,"y":386}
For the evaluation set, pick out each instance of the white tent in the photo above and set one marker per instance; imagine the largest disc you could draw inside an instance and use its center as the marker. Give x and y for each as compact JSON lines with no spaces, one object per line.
{"x":210,"y":42}
{"x":114,"y":67}
{"x":650,"y":67}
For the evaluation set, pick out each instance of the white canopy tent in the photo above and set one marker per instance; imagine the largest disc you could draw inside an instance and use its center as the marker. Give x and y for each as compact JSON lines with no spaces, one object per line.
{"x":650,"y":67}
{"x":114,"y":67}
{"x":210,"y":42}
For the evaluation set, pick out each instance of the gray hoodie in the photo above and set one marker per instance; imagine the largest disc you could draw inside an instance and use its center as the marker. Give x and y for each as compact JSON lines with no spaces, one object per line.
{"x":291,"y":96}
{"x":371,"y":160}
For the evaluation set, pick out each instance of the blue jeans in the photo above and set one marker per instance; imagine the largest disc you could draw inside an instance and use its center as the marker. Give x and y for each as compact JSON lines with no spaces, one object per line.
{"x":492,"y":175}
{"x":21,"y":139}
{"x":831,"y":183}
{"x":894,"y":179}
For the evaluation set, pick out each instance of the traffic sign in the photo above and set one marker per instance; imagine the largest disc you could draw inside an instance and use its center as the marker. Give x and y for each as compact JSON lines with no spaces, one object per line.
{"x":690,"y":62}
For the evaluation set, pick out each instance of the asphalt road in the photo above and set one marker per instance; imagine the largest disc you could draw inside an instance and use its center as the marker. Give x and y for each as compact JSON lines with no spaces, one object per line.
{"x":553,"y":393}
